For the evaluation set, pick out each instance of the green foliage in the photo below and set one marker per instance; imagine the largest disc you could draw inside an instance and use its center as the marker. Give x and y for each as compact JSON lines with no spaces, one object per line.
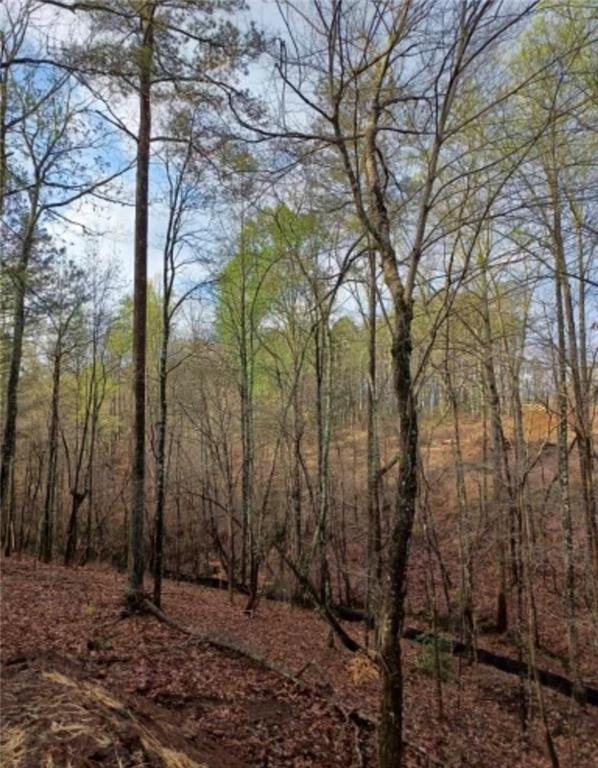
{"x":271,"y":247}
{"x":431,"y":659}
{"x":559,"y":55}
{"x":120,"y":341}
{"x":265,"y":291}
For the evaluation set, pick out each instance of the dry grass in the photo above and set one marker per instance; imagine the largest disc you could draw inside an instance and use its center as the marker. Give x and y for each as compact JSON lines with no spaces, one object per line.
{"x":12,"y":747}
{"x":51,"y":719}
{"x":171,"y":758}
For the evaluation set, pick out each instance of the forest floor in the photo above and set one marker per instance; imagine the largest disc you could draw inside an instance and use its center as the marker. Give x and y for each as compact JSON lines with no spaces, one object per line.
{"x":82,"y":687}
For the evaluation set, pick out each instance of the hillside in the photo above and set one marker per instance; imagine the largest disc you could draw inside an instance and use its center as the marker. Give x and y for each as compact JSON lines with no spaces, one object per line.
{"x":83,"y":686}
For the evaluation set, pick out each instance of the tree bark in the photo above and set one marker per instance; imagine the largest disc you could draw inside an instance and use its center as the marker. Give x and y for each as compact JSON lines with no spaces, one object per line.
{"x":9,"y":437}
{"x":249,"y":564}
{"x":582,"y":423}
{"x":135,"y":539}
{"x":161,"y":459}
{"x":391,"y":615}
{"x":46,"y":534}
{"x":563,"y":477}
{"x":374,"y":544}
{"x":502,"y":493}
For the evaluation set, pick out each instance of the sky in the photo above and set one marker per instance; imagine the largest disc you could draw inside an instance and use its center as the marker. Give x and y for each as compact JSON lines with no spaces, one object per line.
{"x":111,"y":222}
{"x":102,"y":227}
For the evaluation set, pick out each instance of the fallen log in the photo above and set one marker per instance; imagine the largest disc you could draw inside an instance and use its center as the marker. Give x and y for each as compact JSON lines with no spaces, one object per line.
{"x":355,"y":719}
{"x":329,"y":613}
{"x":204,"y":581}
{"x":552,"y":680}
{"x":203,"y":638}
{"x":326,"y":611}
{"x":506,"y":664}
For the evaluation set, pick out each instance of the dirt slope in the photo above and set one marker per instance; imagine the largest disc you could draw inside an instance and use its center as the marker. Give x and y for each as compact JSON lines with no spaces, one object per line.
{"x":83,"y":687}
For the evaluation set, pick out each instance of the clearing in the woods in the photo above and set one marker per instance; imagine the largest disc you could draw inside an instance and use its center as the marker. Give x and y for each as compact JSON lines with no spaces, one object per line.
{"x":82,"y":686}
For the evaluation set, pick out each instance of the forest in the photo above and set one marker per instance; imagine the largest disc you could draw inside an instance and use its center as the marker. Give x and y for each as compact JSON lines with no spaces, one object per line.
{"x":299,"y":383}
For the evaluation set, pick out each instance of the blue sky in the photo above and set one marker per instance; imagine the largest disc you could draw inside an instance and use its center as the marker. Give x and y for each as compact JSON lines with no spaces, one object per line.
{"x":113,"y":222}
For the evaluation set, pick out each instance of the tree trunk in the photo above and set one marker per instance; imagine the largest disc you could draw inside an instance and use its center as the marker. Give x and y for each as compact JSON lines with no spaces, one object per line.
{"x":45,"y":543}
{"x":77,"y":499}
{"x":391,"y":615}
{"x":323,"y":384}
{"x":3,"y":133}
{"x":374,"y":543}
{"x":161,"y":460}
{"x":467,"y":617}
{"x":135,"y":539}
{"x":249,"y":553}
{"x":9,"y":437}
{"x":582,"y":422}
{"x":500,"y":480}
{"x":90,"y":471}
{"x":296,"y":473}
{"x":563,"y":476}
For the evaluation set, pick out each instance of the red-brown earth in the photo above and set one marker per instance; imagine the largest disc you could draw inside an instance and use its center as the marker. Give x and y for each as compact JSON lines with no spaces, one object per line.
{"x":82,"y":687}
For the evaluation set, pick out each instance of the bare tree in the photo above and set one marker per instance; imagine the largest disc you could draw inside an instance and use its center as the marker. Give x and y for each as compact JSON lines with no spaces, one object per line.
{"x":364,"y":98}
{"x":46,"y":144}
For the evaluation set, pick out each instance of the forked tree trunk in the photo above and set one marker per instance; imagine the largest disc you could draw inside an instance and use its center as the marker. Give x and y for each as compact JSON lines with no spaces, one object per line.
{"x":78,"y":496}
{"x":97,"y":401}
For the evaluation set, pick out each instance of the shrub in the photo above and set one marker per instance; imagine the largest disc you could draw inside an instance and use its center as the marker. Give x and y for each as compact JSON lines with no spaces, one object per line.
{"x":431,"y":659}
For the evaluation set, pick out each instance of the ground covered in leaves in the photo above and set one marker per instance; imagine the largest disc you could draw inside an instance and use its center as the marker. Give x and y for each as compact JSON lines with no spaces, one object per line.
{"x":82,"y":687}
